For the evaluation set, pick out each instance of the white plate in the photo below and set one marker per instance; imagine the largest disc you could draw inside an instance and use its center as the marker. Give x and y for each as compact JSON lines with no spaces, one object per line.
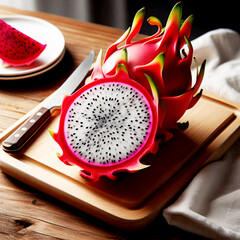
{"x":45,"y":33}
{"x":33,"y":74}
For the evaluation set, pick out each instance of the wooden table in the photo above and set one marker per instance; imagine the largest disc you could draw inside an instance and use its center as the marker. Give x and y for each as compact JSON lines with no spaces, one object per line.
{"x":26,"y":213}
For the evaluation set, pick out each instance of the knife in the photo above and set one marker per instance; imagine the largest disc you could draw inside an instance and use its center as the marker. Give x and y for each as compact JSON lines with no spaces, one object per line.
{"x":23,"y":134}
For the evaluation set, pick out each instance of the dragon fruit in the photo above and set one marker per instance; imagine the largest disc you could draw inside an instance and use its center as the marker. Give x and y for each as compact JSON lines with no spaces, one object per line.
{"x":108,"y":126}
{"x":16,"y":48}
{"x":163,"y":58}
{"x":158,"y":69}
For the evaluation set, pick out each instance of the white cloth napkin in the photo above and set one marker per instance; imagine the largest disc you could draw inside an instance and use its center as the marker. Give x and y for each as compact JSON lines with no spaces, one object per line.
{"x":210,"y":205}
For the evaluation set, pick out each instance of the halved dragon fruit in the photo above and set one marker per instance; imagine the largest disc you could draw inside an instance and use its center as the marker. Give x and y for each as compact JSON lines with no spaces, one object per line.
{"x":108,"y":126}
{"x":16,"y":48}
{"x":103,"y":128}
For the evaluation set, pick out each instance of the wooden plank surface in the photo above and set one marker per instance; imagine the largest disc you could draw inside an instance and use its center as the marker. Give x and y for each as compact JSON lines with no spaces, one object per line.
{"x":26,"y":213}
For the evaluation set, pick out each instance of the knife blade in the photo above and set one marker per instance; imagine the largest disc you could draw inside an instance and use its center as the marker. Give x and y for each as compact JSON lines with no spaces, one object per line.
{"x":23,"y":134}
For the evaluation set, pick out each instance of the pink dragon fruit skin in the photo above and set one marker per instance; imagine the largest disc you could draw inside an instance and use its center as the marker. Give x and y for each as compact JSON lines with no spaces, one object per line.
{"x":16,"y":48}
{"x":160,"y":57}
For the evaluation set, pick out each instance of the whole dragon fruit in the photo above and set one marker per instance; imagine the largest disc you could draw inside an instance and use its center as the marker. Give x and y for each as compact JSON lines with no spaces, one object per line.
{"x":135,"y":96}
{"x":163,"y":59}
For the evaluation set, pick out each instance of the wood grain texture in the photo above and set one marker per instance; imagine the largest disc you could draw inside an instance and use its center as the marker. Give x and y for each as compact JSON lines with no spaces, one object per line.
{"x":26,"y":213}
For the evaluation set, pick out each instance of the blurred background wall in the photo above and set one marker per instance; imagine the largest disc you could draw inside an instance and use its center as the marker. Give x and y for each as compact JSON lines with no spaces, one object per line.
{"x":209,"y":14}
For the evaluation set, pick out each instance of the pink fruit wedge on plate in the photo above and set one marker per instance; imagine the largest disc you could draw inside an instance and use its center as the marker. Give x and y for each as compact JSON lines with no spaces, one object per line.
{"x":16,"y":48}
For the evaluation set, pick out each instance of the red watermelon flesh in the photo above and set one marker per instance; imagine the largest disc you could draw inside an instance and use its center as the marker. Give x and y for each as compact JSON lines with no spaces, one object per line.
{"x":16,"y":48}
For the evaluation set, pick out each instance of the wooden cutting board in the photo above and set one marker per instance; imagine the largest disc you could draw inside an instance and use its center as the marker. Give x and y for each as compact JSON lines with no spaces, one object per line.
{"x":134,"y":200}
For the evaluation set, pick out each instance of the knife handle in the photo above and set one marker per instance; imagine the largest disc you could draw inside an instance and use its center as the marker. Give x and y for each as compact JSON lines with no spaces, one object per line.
{"x":23,"y":134}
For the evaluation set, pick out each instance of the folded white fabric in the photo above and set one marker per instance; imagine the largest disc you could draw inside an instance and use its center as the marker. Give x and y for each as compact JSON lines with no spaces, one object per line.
{"x":221,"y":48}
{"x":210,"y":205}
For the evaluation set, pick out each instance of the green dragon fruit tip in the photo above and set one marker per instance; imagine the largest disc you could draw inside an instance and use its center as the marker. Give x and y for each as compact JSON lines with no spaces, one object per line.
{"x":176,"y":12}
{"x":188,"y":42}
{"x":139,"y":15}
{"x":142,"y":10}
{"x":51,"y":132}
{"x":154,"y":21}
{"x":202,"y":70}
{"x":123,"y":55}
{"x":121,"y":67}
{"x":191,"y":18}
{"x":154,"y":89}
{"x":161,"y":58}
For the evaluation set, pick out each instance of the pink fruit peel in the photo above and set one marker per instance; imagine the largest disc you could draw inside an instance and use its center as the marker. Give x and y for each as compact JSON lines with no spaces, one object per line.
{"x":16,"y":48}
